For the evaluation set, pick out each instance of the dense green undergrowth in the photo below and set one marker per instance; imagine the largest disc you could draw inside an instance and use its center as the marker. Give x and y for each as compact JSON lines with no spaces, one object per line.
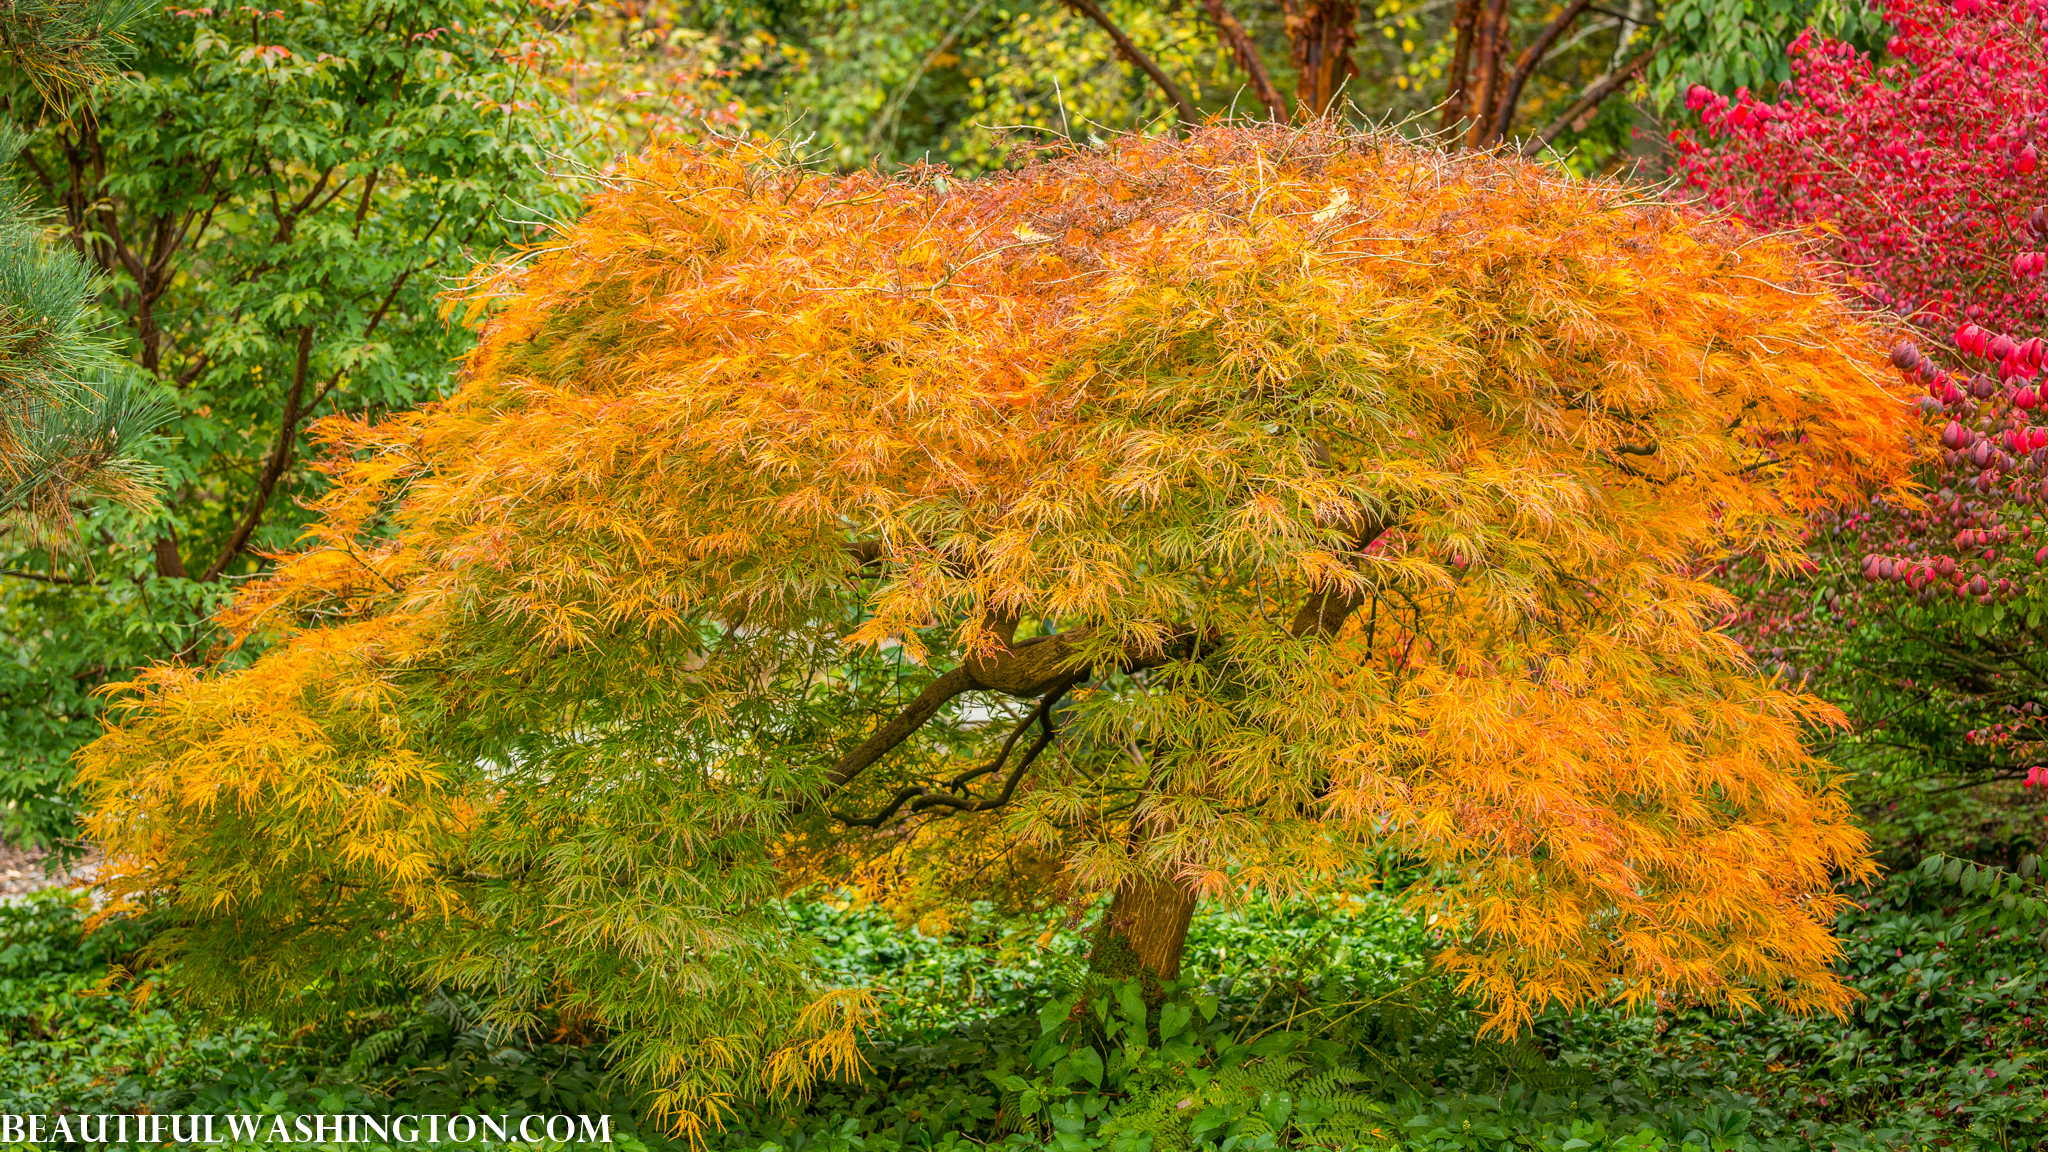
{"x":1294,"y":1028}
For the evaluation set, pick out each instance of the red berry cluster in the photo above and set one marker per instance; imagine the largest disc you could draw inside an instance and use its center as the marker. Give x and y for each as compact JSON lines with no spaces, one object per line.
{"x":1919,"y":169}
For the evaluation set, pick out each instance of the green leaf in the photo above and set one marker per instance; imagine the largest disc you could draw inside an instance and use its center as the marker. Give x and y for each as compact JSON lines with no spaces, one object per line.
{"x":1173,"y":1019}
{"x":1131,"y":1001}
{"x":1054,"y":1014}
{"x":1277,"y":1043}
{"x":1087,"y":1064}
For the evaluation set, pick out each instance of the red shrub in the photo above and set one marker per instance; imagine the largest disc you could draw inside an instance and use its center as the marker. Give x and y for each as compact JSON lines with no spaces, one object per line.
{"x":1921,"y":170}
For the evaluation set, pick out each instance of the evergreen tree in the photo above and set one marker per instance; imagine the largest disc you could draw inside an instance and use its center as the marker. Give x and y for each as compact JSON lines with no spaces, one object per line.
{"x":71,"y":416}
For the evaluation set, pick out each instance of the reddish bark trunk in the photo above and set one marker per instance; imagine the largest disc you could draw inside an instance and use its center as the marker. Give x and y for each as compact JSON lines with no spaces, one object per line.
{"x":1490,"y":41}
{"x":1456,"y":95}
{"x":1320,"y":35}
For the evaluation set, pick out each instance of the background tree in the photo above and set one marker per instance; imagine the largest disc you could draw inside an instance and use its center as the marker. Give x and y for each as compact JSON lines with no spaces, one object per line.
{"x":897,"y":81}
{"x":1197,"y":518}
{"x":274,"y":199}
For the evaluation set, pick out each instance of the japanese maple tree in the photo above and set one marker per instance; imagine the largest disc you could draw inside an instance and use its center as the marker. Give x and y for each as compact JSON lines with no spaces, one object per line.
{"x":1174,"y":521}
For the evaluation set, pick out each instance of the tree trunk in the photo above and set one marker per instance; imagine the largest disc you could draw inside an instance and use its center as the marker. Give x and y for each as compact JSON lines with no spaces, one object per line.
{"x":1320,"y":34}
{"x":1457,"y":96}
{"x":1490,"y":41}
{"x":1144,"y":932}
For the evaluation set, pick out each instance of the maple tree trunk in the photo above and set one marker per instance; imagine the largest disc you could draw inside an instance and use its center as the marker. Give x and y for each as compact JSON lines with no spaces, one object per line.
{"x":1320,"y":34}
{"x":1144,"y":931}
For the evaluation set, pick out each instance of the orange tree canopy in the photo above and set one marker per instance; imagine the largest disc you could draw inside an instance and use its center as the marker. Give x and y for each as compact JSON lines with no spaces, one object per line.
{"x":1178,"y":519}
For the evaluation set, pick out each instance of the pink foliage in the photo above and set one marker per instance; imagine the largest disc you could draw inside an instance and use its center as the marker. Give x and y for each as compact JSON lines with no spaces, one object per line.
{"x":1921,"y":172}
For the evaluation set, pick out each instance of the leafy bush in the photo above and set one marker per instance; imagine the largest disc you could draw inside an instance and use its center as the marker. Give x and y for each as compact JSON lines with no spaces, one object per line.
{"x":1298,"y":1028}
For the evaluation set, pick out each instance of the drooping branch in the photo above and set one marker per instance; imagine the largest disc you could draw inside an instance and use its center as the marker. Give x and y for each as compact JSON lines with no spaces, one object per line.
{"x":965,"y":804}
{"x":1588,"y":100}
{"x":1326,"y":611}
{"x":1027,"y":669}
{"x":1040,"y":666}
{"x":1248,"y":58}
{"x":934,"y":697}
{"x":1189,"y":114}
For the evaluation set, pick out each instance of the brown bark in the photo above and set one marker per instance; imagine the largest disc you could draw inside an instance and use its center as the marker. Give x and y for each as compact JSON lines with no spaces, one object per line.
{"x":1248,"y":58}
{"x":1027,"y":669}
{"x":1320,"y":35}
{"x":1145,"y":930}
{"x":1531,"y":58}
{"x":168,"y":560}
{"x":1456,"y":96}
{"x":1489,"y":42}
{"x":273,"y":469}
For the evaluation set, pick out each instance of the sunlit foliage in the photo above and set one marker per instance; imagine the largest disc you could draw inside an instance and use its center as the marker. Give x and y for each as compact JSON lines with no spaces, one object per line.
{"x":1206,"y":516}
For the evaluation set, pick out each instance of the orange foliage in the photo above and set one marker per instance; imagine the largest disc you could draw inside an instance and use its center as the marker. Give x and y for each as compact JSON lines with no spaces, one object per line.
{"x":1351,"y":493}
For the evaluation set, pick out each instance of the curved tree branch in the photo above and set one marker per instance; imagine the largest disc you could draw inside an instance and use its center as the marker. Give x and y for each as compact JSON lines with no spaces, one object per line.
{"x":897,"y":730}
{"x":1525,"y":67}
{"x":1129,"y":51}
{"x":920,"y":798}
{"x":1043,"y":667}
{"x":1588,"y":100}
{"x":1327,"y":610}
{"x":273,"y":469}
{"x":1248,"y":58}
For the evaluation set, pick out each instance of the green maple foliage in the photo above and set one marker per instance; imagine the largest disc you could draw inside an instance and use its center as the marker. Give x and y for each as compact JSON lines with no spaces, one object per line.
{"x":271,"y":202}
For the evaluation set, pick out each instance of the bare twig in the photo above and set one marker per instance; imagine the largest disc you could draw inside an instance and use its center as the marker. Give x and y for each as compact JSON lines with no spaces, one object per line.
{"x":49,"y":578}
